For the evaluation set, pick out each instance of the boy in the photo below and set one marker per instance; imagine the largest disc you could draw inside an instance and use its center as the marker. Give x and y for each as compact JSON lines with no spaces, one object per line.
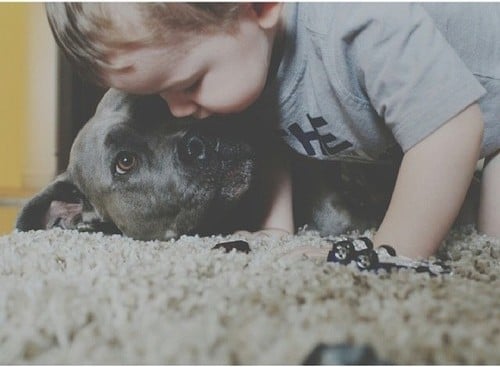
{"x":350,"y":81}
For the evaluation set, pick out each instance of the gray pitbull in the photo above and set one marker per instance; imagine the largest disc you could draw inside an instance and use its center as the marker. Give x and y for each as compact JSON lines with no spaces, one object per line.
{"x":136,"y":170}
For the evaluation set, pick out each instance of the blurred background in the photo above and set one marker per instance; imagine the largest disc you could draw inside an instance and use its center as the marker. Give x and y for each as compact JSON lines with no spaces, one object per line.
{"x":43,"y":104}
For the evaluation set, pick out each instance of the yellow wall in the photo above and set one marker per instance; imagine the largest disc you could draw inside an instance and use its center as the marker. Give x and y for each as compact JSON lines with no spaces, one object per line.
{"x":13,"y":104}
{"x":8,"y":216}
{"x":13,"y":92}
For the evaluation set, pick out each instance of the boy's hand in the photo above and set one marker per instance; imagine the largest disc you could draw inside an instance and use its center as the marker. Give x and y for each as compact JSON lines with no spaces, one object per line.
{"x":311,"y":252}
{"x":431,"y":186}
{"x":274,"y":233}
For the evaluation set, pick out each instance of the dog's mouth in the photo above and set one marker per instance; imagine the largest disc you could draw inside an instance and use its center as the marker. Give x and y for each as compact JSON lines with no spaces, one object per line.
{"x":240,"y":179}
{"x":217,"y":145}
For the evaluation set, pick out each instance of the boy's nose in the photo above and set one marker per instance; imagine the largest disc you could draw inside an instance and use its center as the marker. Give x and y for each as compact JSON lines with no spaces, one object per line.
{"x":180,"y":107}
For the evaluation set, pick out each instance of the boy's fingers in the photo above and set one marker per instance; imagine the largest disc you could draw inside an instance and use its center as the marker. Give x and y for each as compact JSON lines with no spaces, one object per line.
{"x":263,"y":234}
{"x":307,"y":251}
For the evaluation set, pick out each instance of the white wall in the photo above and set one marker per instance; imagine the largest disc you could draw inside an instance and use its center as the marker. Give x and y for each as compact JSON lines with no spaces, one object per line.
{"x":40,"y":166}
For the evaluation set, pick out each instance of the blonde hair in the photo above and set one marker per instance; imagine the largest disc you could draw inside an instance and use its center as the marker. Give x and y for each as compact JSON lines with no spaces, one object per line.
{"x":86,"y":31}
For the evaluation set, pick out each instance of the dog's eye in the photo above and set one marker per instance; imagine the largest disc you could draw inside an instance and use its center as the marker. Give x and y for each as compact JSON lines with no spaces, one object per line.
{"x":125,"y":162}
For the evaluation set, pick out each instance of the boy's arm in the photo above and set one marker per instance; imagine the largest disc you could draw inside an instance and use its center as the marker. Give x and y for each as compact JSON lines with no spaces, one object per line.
{"x":279,"y":202}
{"x":277,"y":199}
{"x":432,"y":183}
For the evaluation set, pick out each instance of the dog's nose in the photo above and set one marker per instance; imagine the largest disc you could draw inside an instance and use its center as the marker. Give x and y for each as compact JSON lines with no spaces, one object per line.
{"x":192,"y":147}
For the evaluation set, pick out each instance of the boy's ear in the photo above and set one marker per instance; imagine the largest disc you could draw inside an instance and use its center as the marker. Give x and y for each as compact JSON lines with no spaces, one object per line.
{"x":267,"y":14}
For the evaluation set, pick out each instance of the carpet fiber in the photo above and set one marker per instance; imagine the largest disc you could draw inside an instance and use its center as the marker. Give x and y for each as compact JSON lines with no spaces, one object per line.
{"x":76,"y":298}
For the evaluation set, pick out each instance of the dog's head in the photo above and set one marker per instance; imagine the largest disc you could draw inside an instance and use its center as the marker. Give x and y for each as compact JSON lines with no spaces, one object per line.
{"x":135,"y":167}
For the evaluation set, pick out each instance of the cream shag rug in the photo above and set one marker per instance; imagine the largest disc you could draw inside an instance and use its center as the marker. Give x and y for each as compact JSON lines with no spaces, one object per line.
{"x":75,"y":298}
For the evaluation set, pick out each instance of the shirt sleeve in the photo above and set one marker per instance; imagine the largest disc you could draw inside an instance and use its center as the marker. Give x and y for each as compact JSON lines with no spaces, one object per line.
{"x":405,"y":69}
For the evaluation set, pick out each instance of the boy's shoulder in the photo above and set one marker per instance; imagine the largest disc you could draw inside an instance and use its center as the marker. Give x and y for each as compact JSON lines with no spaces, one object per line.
{"x":325,"y":18}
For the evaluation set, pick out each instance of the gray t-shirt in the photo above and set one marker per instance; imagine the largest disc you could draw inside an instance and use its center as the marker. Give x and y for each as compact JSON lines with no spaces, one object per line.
{"x":367,"y":81}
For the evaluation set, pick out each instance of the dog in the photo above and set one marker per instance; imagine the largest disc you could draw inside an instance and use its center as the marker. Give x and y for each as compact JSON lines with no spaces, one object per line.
{"x":134,"y":169}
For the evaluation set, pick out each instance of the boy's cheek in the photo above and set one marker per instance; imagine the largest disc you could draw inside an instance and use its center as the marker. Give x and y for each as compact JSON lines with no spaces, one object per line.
{"x":232,"y":100}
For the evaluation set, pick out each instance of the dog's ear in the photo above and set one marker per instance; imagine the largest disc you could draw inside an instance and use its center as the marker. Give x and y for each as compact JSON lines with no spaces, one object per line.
{"x":62,"y":204}
{"x":59,"y":205}
{"x":113,"y":101}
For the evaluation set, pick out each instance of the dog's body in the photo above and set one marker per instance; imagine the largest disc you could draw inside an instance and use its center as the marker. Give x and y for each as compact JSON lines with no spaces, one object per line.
{"x":137,"y":170}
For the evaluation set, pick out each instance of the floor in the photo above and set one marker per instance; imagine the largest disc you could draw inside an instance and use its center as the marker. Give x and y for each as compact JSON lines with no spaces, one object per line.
{"x":11,"y":202}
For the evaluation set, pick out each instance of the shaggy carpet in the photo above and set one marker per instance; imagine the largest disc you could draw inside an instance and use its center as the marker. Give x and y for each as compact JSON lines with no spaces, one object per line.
{"x":77,"y":298}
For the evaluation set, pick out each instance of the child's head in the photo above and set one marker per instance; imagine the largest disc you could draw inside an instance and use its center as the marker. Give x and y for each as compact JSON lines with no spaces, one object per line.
{"x":202,"y":58}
